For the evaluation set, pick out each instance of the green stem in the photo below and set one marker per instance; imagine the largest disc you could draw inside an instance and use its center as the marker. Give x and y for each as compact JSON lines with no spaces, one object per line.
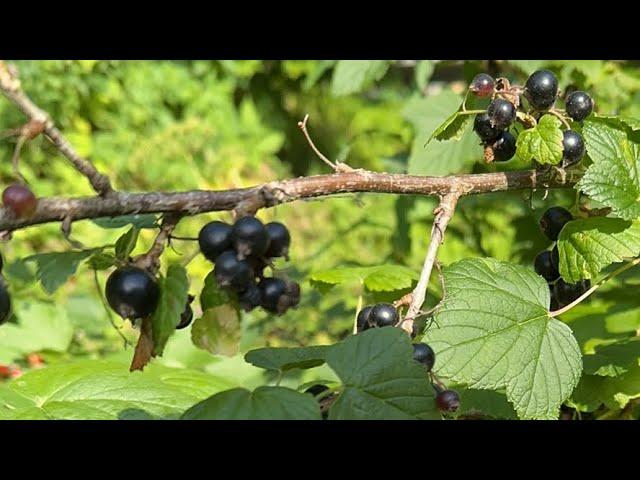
{"x":471,"y":112}
{"x":613,"y":274}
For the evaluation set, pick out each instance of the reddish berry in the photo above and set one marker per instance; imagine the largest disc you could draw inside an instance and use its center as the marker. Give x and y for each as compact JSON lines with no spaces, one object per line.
{"x":20,"y":200}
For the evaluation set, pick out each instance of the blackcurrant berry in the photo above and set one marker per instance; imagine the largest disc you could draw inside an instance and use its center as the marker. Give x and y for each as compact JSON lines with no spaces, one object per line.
{"x":554,"y":305}
{"x":572,"y":148}
{"x":541,"y":89}
{"x":272,"y":289}
{"x":5,"y":303}
{"x":565,"y":293}
{"x":317,"y":389}
{"x":257,"y":264}
{"x":185,"y":318}
{"x":1,"y":263}
{"x":214,"y":238}
{"x":504,"y":147}
{"x":279,"y":240}
{"x":362,"y":322}
{"x":553,"y":220}
{"x":579,"y":105}
{"x":482,"y":85}
{"x":383,"y":315}
{"x":20,"y":200}
{"x":233,"y":273}
{"x":250,"y":298}
{"x":424,"y":354}
{"x":545,"y":268}
{"x":555,"y":258}
{"x":448,"y":401}
{"x":501,"y":113}
{"x":250,"y":237}
{"x":483,"y":128}
{"x":132,"y":292}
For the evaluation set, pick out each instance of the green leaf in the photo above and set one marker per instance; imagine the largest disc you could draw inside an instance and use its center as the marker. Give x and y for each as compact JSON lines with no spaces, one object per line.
{"x":588,"y":245}
{"x":101,"y":261}
{"x":42,"y":327}
{"x":218,"y":331}
{"x":454,"y":126}
{"x":613,"y":392}
{"x":53,"y":269}
{"x":494,"y":332}
{"x":139,"y":221}
{"x":174,"y":289}
{"x":264,"y":403}
{"x":630,"y":122}
{"x":381,"y":380}
{"x":352,"y":76}
{"x":423,"y":71}
{"x":283,"y":359}
{"x":613,"y":178}
{"x":212,"y":295}
{"x":383,"y":278}
{"x":126,"y":243}
{"x":484,"y":402}
{"x":445,"y":157}
{"x":542,"y":143}
{"x":613,"y":359}
{"x":105,"y":390}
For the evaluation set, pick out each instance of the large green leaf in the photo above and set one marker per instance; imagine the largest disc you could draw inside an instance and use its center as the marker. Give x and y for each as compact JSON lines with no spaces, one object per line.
{"x":53,"y":269}
{"x":174,"y":289}
{"x":542,"y":143}
{"x":494,"y":332}
{"x":383,"y":278}
{"x":381,"y":380}
{"x":264,"y":403}
{"x":105,"y":390}
{"x":42,"y":326}
{"x":218,"y":330}
{"x":212,"y":295}
{"x":588,"y":245}
{"x":352,"y":76}
{"x":614,"y":392}
{"x":484,"y":402}
{"x":283,"y":359}
{"x":613,"y":178}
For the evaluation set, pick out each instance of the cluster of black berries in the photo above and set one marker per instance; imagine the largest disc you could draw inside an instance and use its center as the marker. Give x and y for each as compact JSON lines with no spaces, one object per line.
{"x":5,"y":299}
{"x":546,"y":263}
{"x":386,"y":315}
{"x":541,"y":92}
{"x":241,"y":252}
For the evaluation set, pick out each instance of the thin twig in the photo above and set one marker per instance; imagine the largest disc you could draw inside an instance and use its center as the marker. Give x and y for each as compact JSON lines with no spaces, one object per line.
{"x":10,"y":88}
{"x":578,"y":300}
{"x":337,"y":166}
{"x":444,"y":213}
{"x":151,"y":259}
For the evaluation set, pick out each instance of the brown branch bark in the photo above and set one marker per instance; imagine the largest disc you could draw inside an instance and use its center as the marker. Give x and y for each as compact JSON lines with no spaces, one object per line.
{"x":270,"y":194}
{"x":10,"y":88}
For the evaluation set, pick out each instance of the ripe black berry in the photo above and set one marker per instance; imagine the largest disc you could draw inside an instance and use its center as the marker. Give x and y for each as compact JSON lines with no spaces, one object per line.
{"x":555,"y":258}
{"x":231,"y":272}
{"x":279,"y":240}
{"x":565,"y":293}
{"x":383,"y":315}
{"x":214,"y":238}
{"x":185,"y":318}
{"x":483,"y":128}
{"x":504,"y":147}
{"x":424,"y":354}
{"x":272,"y":289}
{"x":250,"y":298}
{"x":448,"y":401}
{"x":20,"y":199}
{"x":362,"y":322}
{"x":541,"y":89}
{"x":5,"y":303}
{"x":1,"y":263}
{"x":482,"y":85}
{"x":132,"y":292}
{"x":572,"y":148}
{"x":544,"y":267}
{"x":579,"y":105}
{"x":501,"y":113}
{"x":250,"y":237}
{"x":553,"y":220}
